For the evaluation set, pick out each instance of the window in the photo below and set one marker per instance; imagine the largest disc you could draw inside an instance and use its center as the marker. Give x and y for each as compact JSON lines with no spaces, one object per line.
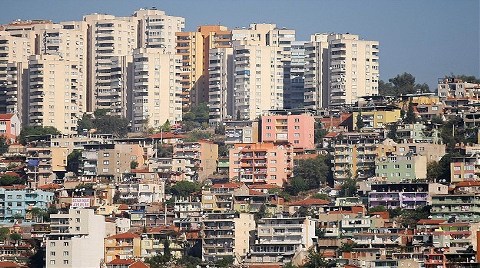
{"x":409,"y":165}
{"x":52,"y":244}
{"x":297,"y":120}
{"x":297,"y":127}
{"x":65,"y":253}
{"x":456,"y":168}
{"x":52,"y":262}
{"x":52,"y":253}
{"x":106,"y":162}
{"x":273,"y":169}
{"x":269,"y":120}
{"x":65,"y":261}
{"x":396,"y":166}
{"x":77,"y":219}
{"x":106,"y":154}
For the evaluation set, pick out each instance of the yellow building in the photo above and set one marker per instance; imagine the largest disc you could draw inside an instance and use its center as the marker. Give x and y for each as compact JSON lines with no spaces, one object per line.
{"x":126,"y":246}
{"x":376,"y":117}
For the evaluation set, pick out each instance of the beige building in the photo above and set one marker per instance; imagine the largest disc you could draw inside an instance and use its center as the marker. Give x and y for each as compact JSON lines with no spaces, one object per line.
{"x":14,"y":53}
{"x":194,"y":48}
{"x":220,"y":83}
{"x":156,"y":89}
{"x":316,"y":72}
{"x":111,"y":41}
{"x":76,"y":239}
{"x":155,"y":29}
{"x":53,"y":97}
{"x":204,"y":155}
{"x":353,"y":70}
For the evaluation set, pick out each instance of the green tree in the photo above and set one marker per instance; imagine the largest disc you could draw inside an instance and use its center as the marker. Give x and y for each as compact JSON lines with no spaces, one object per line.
{"x":197,"y":135}
{"x":409,"y":217}
{"x":401,"y":84}
{"x":9,"y":180}
{"x":133,"y":164}
{"x":377,"y":209}
{"x":35,"y":131}
{"x":185,"y":188}
{"x":360,"y":124}
{"x":73,"y":161}
{"x":3,"y":145}
{"x":86,"y":123}
{"x":164,"y":150}
{"x":225,"y":262}
{"x":317,"y":260}
{"x":189,"y":261}
{"x":115,"y":125}
{"x":348,"y":188}
{"x":467,"y":78}
{"x":261,"y":213}
{"x":15,"y":237}
{"x":4,"y":231}
{"x":290,"y":265}
{"x":392,"y":131}
{"x":37,"y":214}
{"x":321,"y":196}
{"x":296,"y":185}
{"x":320,"y":132}
{"x":410,"y":117}
{"x":166,"y":127}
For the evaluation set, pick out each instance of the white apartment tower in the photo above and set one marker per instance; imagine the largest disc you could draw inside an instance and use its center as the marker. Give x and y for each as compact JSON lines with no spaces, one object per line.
{"x":110,"y":41}
{"x":258,"y":76}
{"x":53,"y":96}
{"x":156,"y":89}
{"x":294,"y":95}
{"x":316,"y":72}
{"x":220,"y":83}
{"x":353,"y":69}
{"x":14,"y":52}
{"x":155,"y":29}
{"x":76,"y":239}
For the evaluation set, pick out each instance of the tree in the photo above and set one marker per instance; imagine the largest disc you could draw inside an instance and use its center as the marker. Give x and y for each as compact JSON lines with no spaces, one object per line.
{"x":185,"y":188}
{"x":321,"y":196}
{"x":166,"y":126}
{"x":392,"y":131}
{"x":37,"y":214}
{"x":377,"y":209}
{"x":74,"y":160}
{"x":360,"y":124}
{"x":316,"y":260}
{"x":290,"y":265}
{"x":225,"y":262}
{"x":348,"y":188}
{"x":133,"y":164}
{"x":9,"y":180}
{"x":467,"y":78}
{"x":261,"y":213}
{"x":239,"y":116}
{"x":296,"y":185}
{"x":319,"y":133}
{"x":409,"y":218}
{"x":189,"y":261}
{"x":35,"y":131}
{"x":15,"y":237}
{"x":401,"y":84}
{"x":104,"y":123}
{"x":4,"y":231}
{"x":410,"y":117}
{"x":309,"y":174}
{"x":86,"y":123}
{"x":197,"y":135}
{"x":3,"y":145}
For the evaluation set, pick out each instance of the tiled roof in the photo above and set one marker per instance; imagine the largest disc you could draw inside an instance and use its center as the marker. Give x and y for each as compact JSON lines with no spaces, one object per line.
{"x":310,"y":202}
{"x":124,"y":236}
{"x":6,"y":117}
{"x":227,"y":185}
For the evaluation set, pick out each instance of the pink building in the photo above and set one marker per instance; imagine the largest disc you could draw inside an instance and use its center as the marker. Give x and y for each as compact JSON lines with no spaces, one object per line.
{"x":297,"y":129}
{"x":9,"y":126}
{"x":261,"y":163}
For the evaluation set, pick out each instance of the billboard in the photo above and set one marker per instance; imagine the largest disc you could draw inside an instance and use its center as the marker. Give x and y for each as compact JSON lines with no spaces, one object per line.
{"x":80,"y":203}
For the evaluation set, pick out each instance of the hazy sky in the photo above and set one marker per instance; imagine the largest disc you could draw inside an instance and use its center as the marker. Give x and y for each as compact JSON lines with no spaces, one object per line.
{"x":428,"y":38}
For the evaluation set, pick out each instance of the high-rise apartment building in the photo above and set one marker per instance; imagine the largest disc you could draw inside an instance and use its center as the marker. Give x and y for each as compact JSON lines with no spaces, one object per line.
{"x":76,"y":239}
{"x":316,"y":72}
{"x":155,"y":29}
{"x":14,"y":52}
{"x":156,"y":89}
{"x":353,"y":70}
{"x":53,"y":97}
{"x":258,"y":76}
{"x":339,"y":69}
{"x":111,"y":40}
{"x":293,"y":96}
{"x":220,"y":95}
{"x":194,"y":48}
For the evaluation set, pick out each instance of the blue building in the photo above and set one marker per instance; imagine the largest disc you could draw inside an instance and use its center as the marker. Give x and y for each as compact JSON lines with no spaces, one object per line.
{"x":16,"y":201}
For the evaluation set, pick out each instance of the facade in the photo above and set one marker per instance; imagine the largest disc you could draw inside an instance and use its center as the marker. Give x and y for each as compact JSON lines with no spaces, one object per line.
{"x":353,"y":70}
{"x":241,"y":132}
{"x":76,"y":239}
{"x":220,"y":84}
{"x":452,"y":88}
{"x":125,"y":246}
{"x":9,"y":127}
{"x":398,"y":168}
{"x":19,"y":202}
{"x":281,"y":239}
{"x":203,"y":153}
{"x":316,"y":72}
{"x":376,"y":117}
{"x":258,"y":80}
{"x":294,"y":94}
{"x":14,"y":53}
{"x":226,"y":234}
{"x":142,"y":192}
{"x":461,"y":207}
{"x":261,"y":163}
{"x":51,"y":79}
{"x":156,"y":89}
{"x":296,"y":128}
{"x":403,"y":195}
{"x":465,"y":168}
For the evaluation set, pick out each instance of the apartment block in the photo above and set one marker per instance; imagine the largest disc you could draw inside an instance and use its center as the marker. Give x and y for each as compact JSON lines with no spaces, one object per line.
{"x":296,"y":128}
{"x":354,"y":155}
{"x":203,"y":153}
{"x":156,"y":89}
{"x":461,"y":207}
{"x":188,"y":213}
{"x":76,"y":239}
{"x":226,"y":234}
{"x":261,"y":163}
{"x":110,"y":40}
{"x":294,"y":95}
{"x":398,"y":168}
{"x":376,"y":117}
{"x":220,"y":85}
{"x":258,"y":74}
{"x":194,"y":47}
{"x":453,"y":88}
{"x":155,"y":29}
{"x":219,"y":197}
{"x":173,"y":168}
{"x":142,"y":192}
{"x":125,"y":246}
{"x":241,"y":132}
{"x":9,"y":127}
{"x":52,"y":79}
{"x":19,"y":201}
{"x":316,"y":72}
{"x":14,"y":53}
{"x":281,"y":239}
{"x":465,"y":168}
{"x":45,"y":164}
{"x":353,"y":68}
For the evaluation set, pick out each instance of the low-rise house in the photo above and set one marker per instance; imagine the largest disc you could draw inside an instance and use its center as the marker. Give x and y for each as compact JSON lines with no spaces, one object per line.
{"x":124,"y":245}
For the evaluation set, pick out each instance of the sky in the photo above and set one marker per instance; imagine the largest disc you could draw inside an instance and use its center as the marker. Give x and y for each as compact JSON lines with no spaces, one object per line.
{"x":427,"y":38}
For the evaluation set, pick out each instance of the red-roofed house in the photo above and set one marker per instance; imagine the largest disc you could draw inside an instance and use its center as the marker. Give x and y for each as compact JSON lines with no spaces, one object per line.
{"x":122,"y":246}
{"x":126,"y":263}
{"x":9,"y":126}
{"x":9,"y":264}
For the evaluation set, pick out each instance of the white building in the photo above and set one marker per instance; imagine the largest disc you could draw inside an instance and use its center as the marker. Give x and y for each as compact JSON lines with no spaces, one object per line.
{"x":316,"y":72}
{"x":220,"y":96}
{"x":142,"y":192}
{"x":76,"y":239}
{"x":156,"y":89}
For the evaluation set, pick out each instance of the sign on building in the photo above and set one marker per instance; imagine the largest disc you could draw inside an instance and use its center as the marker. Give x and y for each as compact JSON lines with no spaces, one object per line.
{"x":80,"y":203}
